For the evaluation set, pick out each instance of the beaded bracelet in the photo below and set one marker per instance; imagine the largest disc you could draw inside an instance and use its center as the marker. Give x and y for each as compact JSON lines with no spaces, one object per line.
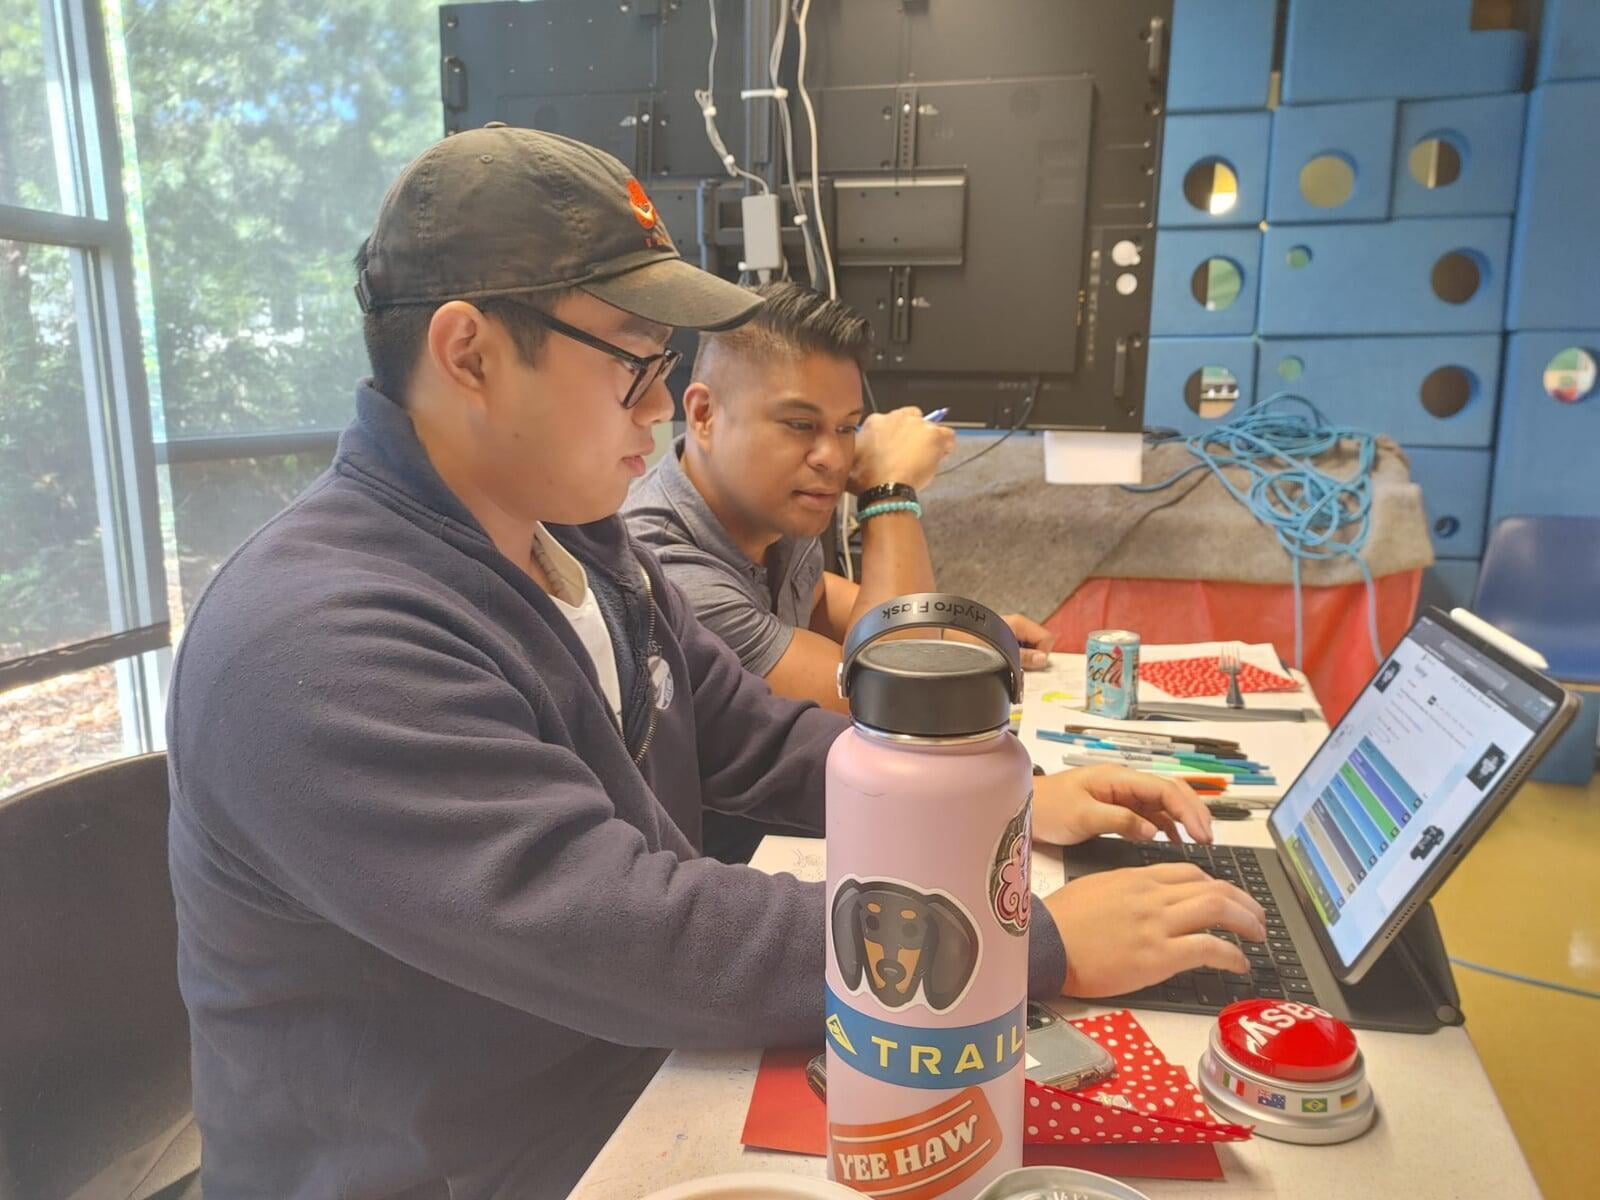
{"x":890,"y":506}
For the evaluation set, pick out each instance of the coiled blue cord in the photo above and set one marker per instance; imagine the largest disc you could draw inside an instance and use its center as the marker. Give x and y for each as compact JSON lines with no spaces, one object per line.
{"x":1314,"y":515}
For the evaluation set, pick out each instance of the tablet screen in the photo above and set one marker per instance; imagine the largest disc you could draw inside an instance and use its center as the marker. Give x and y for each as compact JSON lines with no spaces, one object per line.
{"x":1401,"y":775}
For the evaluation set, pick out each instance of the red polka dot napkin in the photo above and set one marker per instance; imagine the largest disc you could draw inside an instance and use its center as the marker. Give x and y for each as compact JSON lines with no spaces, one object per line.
{"x":1148,"y":1100}
{"x":1109,"y":1127}
{"x":1200,"y":677}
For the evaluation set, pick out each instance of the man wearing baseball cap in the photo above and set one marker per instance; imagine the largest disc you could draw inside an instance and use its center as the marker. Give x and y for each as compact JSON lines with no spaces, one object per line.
{"x":441,"y":738}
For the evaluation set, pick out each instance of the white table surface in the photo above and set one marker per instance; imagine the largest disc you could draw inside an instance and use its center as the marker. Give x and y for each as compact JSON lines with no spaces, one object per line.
{"x":1440,"y":1131}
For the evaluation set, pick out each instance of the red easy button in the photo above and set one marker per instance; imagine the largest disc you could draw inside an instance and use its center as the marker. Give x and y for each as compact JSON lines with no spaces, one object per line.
{"x":1287,"y":1040}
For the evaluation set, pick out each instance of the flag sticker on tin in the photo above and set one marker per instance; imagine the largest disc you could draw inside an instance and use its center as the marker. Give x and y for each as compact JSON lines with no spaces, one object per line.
{"x":1348,"y":1100}
{"x":1314,"y":1104}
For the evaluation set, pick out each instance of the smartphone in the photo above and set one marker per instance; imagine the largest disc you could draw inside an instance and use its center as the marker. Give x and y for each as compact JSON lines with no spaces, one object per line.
{"x":1058,"y":1054}
{"x":1062,"y":1056}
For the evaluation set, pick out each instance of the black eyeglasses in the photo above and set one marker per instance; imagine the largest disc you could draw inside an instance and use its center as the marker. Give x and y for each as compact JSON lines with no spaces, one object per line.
{"x":647,"y":371}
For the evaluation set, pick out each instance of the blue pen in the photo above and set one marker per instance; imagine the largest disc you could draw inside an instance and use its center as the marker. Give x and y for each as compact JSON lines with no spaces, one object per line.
{"x":937,"y":414}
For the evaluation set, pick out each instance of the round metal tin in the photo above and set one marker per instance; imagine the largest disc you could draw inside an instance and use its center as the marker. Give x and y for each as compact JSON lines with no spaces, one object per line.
{"x":1058,"y":1183}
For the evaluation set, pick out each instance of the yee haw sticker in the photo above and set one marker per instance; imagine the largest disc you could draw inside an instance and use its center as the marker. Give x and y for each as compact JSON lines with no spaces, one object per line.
{"x":919,"y":1156}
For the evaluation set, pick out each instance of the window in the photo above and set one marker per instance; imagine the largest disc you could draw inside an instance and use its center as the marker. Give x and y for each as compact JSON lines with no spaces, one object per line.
{"x":53,"y":586}
{"x":83,"y":613}
{"x":258,"y":140}
{"x":182,"y":187}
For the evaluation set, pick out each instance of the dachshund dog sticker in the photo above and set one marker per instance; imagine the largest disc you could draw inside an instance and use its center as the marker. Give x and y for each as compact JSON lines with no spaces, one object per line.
{"x":903,"y":942}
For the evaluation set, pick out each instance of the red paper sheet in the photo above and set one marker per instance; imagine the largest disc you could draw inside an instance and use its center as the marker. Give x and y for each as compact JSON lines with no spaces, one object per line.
{"x":1147,"y":1121}
{"x":1201,"y":677}
{"x":785,"y":1114}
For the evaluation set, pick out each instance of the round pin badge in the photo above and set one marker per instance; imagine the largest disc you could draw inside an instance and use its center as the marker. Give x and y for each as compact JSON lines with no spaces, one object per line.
{"x":661,"y":684}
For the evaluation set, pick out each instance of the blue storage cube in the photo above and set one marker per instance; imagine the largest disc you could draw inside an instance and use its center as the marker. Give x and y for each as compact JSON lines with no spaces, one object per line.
{"x":1571,"y":759}
{"x":1188,"y":382}
{"x":1569,"y":40}
{"x":1449,"y":583}
{"x":1470,"y":151}
{"x":1190,"y":151}
{"x":1415,"y":276}
{"x":1221,"y":54}
{"x":1206,"y":282}
{"x":1332,"y":162}
{"x":1364,"y":49}
{"x":1555,"y":270}
{"x":1547,"y":458}
{"x":1434,"y":391}
{"x":1455,"y":492}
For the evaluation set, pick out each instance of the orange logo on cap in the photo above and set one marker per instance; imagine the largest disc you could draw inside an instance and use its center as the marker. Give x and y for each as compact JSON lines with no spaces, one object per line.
{"x":643,"y":210}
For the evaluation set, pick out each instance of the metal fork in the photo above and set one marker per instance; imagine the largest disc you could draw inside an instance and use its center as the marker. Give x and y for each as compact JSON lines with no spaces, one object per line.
{"x":1228,"y":664}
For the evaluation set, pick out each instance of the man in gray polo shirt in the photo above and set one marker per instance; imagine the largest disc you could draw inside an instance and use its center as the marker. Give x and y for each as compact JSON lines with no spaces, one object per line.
{"x":775,"y":434}
{"x":755,"y":607}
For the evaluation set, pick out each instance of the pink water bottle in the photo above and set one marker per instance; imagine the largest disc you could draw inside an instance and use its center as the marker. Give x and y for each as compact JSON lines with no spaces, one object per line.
{"x":928,"y":898}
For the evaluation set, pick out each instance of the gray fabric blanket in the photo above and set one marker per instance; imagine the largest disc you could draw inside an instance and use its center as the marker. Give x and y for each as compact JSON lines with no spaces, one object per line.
{"x":1000,"y":532}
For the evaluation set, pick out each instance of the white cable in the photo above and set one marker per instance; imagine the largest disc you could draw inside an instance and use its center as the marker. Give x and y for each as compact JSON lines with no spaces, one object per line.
{"x":786,"y":168}
{"x":844,"y":538}
{"x":708,"y":109}
{"x":816,"y":180}
{"x":711,"y":63}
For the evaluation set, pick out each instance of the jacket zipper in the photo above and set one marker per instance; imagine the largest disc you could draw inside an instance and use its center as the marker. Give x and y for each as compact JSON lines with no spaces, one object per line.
{"x":649,"y":641}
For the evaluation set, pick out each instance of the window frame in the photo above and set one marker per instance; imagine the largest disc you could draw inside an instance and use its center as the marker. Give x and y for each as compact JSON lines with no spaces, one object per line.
{"x":122,"y":447}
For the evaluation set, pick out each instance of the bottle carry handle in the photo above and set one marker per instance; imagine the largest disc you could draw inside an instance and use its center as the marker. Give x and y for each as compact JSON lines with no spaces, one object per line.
{"x":929,"y":610}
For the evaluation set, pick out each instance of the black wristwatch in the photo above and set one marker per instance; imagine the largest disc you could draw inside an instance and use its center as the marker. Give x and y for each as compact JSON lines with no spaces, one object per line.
{"x":885,"y":492}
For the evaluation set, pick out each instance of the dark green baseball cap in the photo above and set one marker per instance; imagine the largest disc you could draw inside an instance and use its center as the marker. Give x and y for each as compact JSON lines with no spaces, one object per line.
{"x":501,"y":211}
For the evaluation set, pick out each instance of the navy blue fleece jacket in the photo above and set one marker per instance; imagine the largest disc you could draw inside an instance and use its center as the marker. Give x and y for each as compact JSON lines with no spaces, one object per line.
{"x":436,"y":911}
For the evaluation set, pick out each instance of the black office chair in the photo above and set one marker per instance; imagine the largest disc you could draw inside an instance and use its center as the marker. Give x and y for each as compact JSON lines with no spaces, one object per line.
{"x":94,"y":1039}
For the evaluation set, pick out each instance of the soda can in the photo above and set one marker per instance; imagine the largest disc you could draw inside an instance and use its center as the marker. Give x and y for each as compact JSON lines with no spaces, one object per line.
{"x":1111,"y":686}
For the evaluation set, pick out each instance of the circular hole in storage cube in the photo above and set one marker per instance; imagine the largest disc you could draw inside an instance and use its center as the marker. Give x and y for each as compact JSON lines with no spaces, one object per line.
{"x":1211,"y":392}
{"x":1435,"y":161}
{"x":1211,"y":186}
{"x":1291,"y":367}
{"x":1298,"y":257}
{"x":1216,"y":283}
{"x":1569,"y":376}
{"x":1446,"y":391}
{"x":1457,"y":276}
{"x":1328,"y":181}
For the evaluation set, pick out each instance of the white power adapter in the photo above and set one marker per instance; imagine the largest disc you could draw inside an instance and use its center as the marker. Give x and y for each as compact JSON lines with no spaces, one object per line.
{"x":763,"y":244}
